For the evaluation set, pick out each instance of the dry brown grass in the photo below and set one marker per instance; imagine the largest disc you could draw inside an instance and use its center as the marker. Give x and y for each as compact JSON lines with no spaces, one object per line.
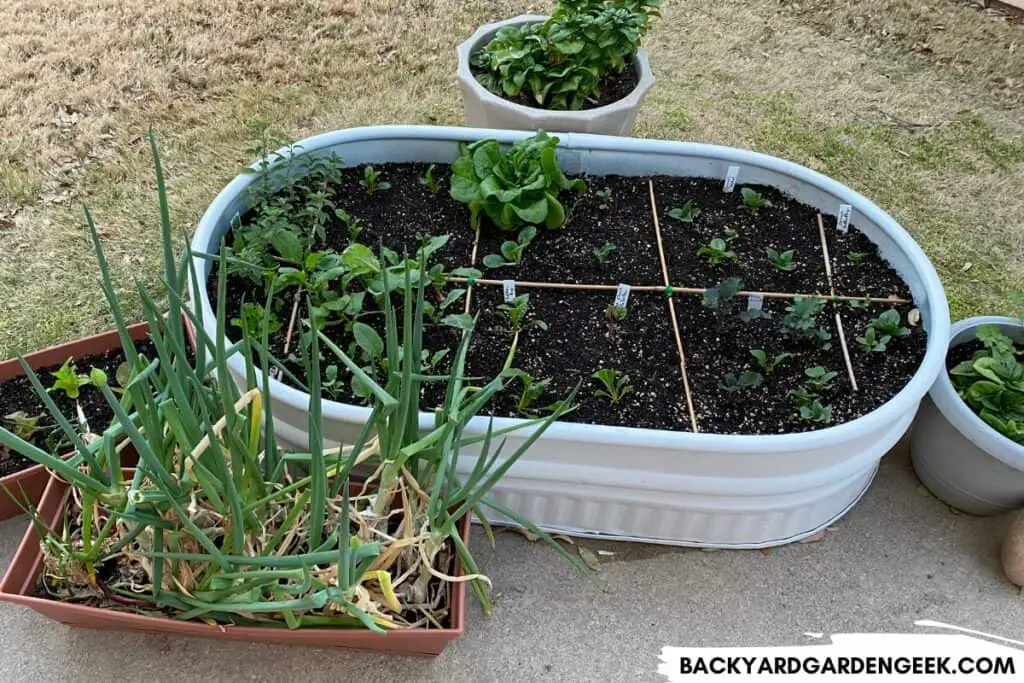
{"x":839,"y":86}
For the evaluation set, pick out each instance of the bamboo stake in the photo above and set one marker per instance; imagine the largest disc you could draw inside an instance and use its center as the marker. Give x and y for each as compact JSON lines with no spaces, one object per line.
{"x":523,"y":284}
{"x":672,"y":310}
{"x":832,"y":289}
{"x":472,"y":264}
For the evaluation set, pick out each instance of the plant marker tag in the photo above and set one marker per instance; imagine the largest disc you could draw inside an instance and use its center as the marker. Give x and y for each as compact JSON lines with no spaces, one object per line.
{"x":622,"y":296}
{"x":730,"y":178}
{"x":843,"y":221}
{"x":755,"y":302}
{"x":510,"y":290}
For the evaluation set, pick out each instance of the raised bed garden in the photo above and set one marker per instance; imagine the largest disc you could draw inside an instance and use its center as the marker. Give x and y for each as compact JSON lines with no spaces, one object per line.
{"x":853,"y":306}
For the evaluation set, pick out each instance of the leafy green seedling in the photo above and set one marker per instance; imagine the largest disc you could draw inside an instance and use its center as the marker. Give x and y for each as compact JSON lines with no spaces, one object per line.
{"x":604,"y":195}
{"x":818,"y":378}
{"x":371,"y":181}
{"x":815,"y":411}
{"x":604,"y":252}
{"x":888,"y":323}
{"x":615,"y":384}
{"x":719,"y":297}
{"x":855,"y":257}
{"x":429,"y":181}
{"x":801,"y":320}
{"x":731,"y":235}
{"x":769,"y":363}
{"x":251,"y":321}
{"x":68,"y":380}
{"x":733,"y":383}
{"x":687,"y":213}
{"x":353,"y":225}
{"x":753,"y":200}
{"x":752,"y":314}
{"x":781,"y":260}
{"x":717,"y":251}
{"x":515,"y":312}
{"x":532,"y":390}
{"x":859,"y":303}
{"x":512,"y":252}
{"x":25,"y":425}
{"x":873,"y":341}
{"x":616,"y":314}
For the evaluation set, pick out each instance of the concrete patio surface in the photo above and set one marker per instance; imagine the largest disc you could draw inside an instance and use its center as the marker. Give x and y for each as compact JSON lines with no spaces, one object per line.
{"x":898,"y":556}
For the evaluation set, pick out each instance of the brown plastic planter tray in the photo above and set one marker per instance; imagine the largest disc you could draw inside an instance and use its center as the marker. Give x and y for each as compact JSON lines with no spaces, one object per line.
{"x":32,"y":480}
{"x":19,"y":587}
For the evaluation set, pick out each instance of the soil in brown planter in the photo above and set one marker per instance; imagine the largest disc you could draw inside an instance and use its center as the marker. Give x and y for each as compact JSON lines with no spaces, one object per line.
{"x":580,"y":340}
{"x":17,"y":395}
{"x":614,"y":87}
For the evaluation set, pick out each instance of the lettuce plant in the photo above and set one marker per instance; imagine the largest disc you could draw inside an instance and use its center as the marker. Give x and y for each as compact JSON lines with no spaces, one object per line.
{"x":512,"y":188}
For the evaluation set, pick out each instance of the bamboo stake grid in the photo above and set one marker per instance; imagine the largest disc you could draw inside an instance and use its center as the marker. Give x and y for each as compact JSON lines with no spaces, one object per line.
{"x":669,"y":291}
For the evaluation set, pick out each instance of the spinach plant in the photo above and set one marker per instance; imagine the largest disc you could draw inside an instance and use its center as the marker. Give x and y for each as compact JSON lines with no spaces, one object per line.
{"x":733,"y":383}
{"x":515,"y":313}
{"x":781,"y":260}
{"x":991,"y":382}
{"x":371,"y":181}
{"x":687,"y":213}
{"x":614,"y":384}
{"x":888,"y":323}
{"x":429,"y":181}
{"x":512,"y":252}
{"x":753,"y":200}
{"x":512,"y":188}
{"x":717,"y":251}
{"x":768,"y":363}
{"x":532,"y":390}
{"x":874,"y":341}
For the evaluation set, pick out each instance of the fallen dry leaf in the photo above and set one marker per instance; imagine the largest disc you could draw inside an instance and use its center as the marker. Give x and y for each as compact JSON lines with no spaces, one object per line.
{"x":589,"y":558}
{"x":820,"y":536}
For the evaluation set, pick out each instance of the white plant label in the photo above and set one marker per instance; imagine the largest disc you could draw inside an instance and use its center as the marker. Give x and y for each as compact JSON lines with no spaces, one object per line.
{"x":510,"y":290}
{"x":622,"y":296}
{"x":843,"y":221}
{"x":755,"y":302}
{"x":730,"y":178}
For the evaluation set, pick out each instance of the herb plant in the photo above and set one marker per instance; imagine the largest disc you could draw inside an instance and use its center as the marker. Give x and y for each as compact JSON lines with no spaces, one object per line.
{"x":781,"y":260}
{"x":512,"y":188}
{"x":253,"y":318}
{"x":560,"y":63}
{"x":371,"y":181}
{"x":991,"y":383}
{"x":753,"y":200}
{"x":687,"y":213}
{"x":512,"y":252}
{"x":733,"y":383}
{"x":604,"y":252}
{"x":429,"y":181}
{"x":614,"y":384}
{"x":768,"y":363}
{"x":717,"y":251}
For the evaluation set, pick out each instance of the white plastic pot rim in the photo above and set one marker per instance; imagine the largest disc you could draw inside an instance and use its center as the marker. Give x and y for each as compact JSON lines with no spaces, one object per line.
{"x":905,"y":401}
{"x":959,"y":414}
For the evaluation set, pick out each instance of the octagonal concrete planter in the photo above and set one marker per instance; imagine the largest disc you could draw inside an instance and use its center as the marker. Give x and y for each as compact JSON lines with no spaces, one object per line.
{"x":484,"y":109}
{"x":962,"y":460}
{"x":681,"y":488}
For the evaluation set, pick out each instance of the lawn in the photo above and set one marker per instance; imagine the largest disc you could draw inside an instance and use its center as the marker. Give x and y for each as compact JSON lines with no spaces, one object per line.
{"x":918,"y":106}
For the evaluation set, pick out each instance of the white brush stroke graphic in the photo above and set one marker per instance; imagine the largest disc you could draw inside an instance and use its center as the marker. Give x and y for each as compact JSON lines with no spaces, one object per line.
{"x":967,"y":655}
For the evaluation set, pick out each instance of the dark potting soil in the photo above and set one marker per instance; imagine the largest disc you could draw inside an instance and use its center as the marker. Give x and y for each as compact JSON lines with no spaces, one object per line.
{"x":613,"y":210}
{"x":614,"y":87}
{"x":720,"y":344}
{"x":17,"y":394}
{"x":579,"y":340}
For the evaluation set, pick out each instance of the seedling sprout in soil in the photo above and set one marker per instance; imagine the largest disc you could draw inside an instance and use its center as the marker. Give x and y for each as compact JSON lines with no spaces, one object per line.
{"x":539,"y":260}
{"x":614,"y":384}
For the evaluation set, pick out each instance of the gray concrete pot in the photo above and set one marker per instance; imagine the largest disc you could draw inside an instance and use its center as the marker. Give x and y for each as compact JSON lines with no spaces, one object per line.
{"x":962,"y":460}
{"x":484,"y":109}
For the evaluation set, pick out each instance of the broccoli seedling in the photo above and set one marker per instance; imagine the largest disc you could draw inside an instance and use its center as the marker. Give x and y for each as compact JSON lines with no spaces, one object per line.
{"x":816,"y":412}
{"x":801,"y":320}
{"x":733,"y":383}
{"x":818,"y":378}
{"x":888,"y":323}
{"x":717,"y":251}
{"x":718,"y":298}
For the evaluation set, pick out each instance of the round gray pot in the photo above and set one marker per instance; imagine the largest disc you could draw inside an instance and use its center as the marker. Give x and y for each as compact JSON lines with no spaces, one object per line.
{"x":962,"y":460}
{"x":484,"y":109}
